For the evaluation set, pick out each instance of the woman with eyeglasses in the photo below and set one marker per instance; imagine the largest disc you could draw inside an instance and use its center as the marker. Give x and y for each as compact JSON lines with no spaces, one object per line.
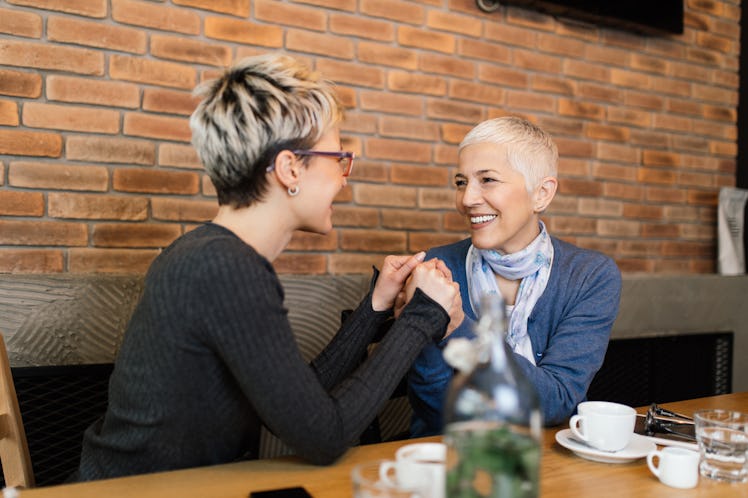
{"x":209,"y":354}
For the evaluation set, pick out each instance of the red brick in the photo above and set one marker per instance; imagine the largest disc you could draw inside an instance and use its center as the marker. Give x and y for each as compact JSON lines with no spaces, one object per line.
{"x":352,"y":73}
{"x":179,"y":156}
{"x":244,"y":32}
{"x":109,"y":150}
{"x":481,"y":49}
{"x":391,"y":103}
{"x":656,"y":175}
{"x":456,"y":23}
{"x":587,"y":71}
{"x":42,"y":233}
{"x":358,"y":123}
{"x":111,"y":260}
{"x":618,"y":152}
{"x":357,"y":263}
{"x":408,"y":36}
{"x":189,"y":50}
{"x":575,"y":148}
{"x":319,"y":43}
{"x":155,"y":181}
{"x":529,"y":101}
{"x":21,"y":203}
{"x":455,"y":222}
{"x":152,"y":72}
{"x":422,"y":241}
{"x":503,"y":76}
{"x":31,"y":261}
{"x":305,"y":241}
{"x":419,"y":175}
{"x":70,"y":118}
{"x":301,"y":264}
{"x":401,"y":81}
{"x":373,"y":240}
{"x":19,"y":23}
{"x":565,"y":225}
{"x":89,"y":8}
{"x":347,"y":216}
{"x":238,"y":8}
{"x":386,"y":55}
{"x":20,"y":84}
{"x":30,"y":143}
{"x":618,"y":228}
{"x":283,"y":13}
{"x":148,"y":15}
{"x":507,"y":34}
{"x":46,"y":56}
{"x":97,"y":92}
{"x":153,"y":126}
{"x":417,"y":129}
{"x":353,"y":25}
{"x":384,"y":195}
{"x":600,"y":207}
{"x":640,"y":211}
{"x":8,"y":113}
{"x":398,"y":150}
{"x":623,"y":191}
{"x":598,"y":131}
{"x":96,"y":34}
{"x":410,"y":219}
{"x":97,"y":207}
{"x":454,"y":133}
{"x":134,"y":235}
{"x":57,"y":176}
{"x":553,"y":84}
{"x":394,"y":10}
{"x":436,"y":198}
{"x":446,"y":65}
{"x":207,"y":187}
{"x":660,"y":231}
{"x":183,"y":209}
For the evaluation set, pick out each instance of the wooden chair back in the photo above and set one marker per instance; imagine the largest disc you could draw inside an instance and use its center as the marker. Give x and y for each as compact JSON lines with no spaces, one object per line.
{"x":14,"y":450}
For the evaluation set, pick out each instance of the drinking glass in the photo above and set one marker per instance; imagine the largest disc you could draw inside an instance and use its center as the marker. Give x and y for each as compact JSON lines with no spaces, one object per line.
{"x":722,"y":436}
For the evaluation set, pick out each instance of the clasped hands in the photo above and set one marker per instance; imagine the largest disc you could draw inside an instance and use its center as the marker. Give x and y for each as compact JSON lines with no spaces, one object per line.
{"x":402,"y":275}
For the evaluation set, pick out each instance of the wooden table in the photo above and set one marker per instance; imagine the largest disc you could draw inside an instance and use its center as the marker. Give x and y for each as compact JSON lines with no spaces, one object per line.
{"x":563,"y":474}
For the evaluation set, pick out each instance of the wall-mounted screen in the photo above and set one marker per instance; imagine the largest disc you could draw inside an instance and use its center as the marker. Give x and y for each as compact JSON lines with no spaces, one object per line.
{"x":649,"y":16}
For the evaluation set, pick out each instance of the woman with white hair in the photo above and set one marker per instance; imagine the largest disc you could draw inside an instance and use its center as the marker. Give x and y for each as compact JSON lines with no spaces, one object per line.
{"x":209,"y":354}
{"x":561,"y":300}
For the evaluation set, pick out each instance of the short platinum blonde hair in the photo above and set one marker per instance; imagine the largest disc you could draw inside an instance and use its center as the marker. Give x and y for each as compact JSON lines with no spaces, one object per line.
{"x":259,"y":107}
{"x":530,"y":150}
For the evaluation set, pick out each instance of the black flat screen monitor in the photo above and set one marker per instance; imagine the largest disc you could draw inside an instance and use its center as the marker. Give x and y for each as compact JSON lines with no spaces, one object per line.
{"x":647,"y":16}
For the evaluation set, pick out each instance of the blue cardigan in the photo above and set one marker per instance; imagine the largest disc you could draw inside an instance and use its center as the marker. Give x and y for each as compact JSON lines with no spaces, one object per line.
{"x":569,"y":329}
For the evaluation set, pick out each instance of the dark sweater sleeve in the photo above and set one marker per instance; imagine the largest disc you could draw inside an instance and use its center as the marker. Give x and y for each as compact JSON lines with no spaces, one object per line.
{"x":253,"y":336}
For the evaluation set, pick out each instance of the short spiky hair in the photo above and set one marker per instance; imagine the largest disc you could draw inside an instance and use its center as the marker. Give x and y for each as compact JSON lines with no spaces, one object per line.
{"x":530,"y":150}
{"x":257,"y":108}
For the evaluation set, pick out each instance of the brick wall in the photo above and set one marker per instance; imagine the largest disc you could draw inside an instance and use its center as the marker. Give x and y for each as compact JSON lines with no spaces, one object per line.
{"x":97,"y":174}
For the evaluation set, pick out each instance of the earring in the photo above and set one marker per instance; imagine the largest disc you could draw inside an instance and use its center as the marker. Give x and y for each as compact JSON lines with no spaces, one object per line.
{"x":292,"y":191}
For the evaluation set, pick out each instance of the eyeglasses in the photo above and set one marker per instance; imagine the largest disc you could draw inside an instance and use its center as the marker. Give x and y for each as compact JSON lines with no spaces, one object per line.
{"x":345,"y":159}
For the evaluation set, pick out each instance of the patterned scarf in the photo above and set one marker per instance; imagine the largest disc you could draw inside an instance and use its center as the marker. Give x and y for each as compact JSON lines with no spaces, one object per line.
{"x":532,"y":264}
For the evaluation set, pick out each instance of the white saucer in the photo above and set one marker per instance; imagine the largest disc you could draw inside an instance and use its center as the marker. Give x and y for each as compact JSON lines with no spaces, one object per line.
{"x":637,"y":448}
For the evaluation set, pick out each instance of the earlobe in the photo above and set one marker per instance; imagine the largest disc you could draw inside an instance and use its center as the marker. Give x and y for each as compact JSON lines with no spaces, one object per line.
{"x":545,"y":193}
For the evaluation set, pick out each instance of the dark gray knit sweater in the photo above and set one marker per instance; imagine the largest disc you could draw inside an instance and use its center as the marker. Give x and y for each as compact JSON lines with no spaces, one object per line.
{"x":209,"y":356}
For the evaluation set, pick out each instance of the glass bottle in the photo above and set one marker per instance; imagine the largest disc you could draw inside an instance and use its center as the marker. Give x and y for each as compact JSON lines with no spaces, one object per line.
{"x":493,"y":423}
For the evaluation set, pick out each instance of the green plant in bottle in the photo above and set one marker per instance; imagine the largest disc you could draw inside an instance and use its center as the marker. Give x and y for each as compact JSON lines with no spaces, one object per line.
{"x":493,"y":421}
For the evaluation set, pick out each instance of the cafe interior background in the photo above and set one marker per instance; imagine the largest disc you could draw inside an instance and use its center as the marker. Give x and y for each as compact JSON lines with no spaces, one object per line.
{"x":97,"y":174}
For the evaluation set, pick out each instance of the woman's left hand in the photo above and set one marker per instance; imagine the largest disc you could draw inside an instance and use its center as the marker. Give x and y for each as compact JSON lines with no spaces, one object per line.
{"x":395,"y":271}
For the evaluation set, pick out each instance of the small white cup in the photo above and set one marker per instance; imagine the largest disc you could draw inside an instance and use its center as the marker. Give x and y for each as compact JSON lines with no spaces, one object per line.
{"x":676,"y":467}
{"x":603,"y":425}
{"x":418,"y":465}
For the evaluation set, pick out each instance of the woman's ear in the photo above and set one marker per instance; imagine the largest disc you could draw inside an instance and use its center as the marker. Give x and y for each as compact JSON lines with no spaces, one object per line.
{"x":287,"y":169}
{"x":544,"y":193}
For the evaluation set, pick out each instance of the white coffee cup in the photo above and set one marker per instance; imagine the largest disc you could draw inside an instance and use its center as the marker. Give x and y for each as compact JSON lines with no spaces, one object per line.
{"x":418,"y":465}
{"x":676,"y":467}
{"x":603,"y":425}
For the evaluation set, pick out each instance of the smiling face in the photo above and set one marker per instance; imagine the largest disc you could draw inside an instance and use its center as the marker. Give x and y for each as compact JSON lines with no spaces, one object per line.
{"x":321,"y":180}
{"x":494,"y":197}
